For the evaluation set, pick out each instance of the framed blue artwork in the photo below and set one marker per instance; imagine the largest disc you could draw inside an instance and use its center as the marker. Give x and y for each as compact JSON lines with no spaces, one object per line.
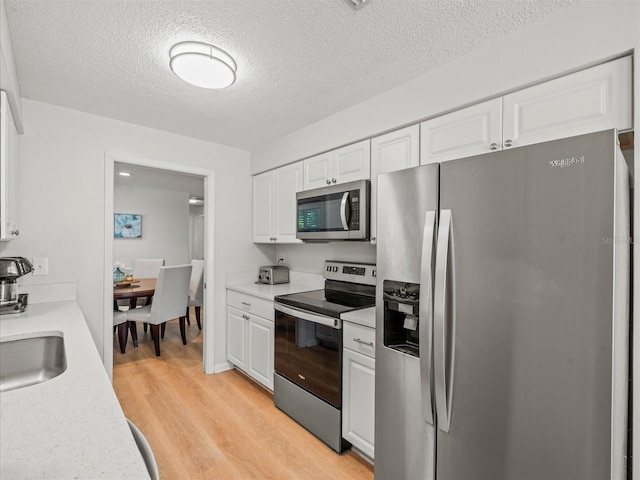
{"x":127,"y":225}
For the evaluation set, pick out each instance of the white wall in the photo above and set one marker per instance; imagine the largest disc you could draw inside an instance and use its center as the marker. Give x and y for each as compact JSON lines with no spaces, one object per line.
{"x":310,"y":257}
{"x":165,"y":225}
{"x":61,"y":210}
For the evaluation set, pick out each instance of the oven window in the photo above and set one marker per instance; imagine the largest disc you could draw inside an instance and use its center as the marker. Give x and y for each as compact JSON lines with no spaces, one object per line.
{"x":309,"y":354}
{"x":320,"y":214}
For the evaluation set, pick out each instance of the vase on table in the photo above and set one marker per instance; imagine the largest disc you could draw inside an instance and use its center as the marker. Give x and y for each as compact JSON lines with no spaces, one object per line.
{"x":118,"y":275}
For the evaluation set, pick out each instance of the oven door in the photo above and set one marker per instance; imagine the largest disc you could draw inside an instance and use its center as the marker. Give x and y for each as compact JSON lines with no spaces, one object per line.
{"x":308,"y":352}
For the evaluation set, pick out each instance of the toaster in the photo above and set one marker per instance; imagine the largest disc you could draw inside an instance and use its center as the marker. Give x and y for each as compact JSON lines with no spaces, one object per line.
{"x":273,"y":274}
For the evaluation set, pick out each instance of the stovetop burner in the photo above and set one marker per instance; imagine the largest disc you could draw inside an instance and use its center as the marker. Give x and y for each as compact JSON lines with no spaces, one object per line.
{"x":327,"y":302}
{"x":348,"y":287}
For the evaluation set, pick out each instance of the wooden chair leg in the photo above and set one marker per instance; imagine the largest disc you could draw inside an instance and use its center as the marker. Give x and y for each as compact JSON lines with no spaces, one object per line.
{"x":183,"y":332}
{"x":162,"y":329}
{"x":155,"y":334}
{"x":134,"y":333}
{"x":187,"y":315}
{"x":122,"y":336}
{"x":197,"y":309}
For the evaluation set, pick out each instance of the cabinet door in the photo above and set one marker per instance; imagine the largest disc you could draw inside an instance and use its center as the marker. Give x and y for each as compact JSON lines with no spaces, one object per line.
{"x":471,"y":131}
{"x":287,"y":181}
{"x":8,"y":172}
{"x":237,"y":336}
{"x":263,"y":195}
{"x":261,"y":341}
{"x":595,"y":99}
{"x":358,"y":403}
{"x":390,"y":152}
{"x":351,"y":163}
{"x":317,"y":171}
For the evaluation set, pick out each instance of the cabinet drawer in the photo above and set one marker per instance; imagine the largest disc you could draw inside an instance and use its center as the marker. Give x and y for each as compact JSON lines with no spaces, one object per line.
{"x":359,"y":339}
{"x":248,"y":303}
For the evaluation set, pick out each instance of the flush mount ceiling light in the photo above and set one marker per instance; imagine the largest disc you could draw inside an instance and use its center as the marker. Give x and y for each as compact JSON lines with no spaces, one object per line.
{"x":202,"y":65}
{"x":357,"y":4}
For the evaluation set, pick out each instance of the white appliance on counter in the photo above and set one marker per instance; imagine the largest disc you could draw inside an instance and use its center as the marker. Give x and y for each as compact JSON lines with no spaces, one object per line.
{"x":503,"y":315}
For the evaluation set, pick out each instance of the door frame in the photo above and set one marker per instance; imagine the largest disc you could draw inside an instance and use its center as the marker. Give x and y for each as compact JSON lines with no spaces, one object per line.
{"x":208,"y":341}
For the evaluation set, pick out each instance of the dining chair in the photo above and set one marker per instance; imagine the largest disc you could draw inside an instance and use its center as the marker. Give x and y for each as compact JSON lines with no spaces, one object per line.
{"x":147,"y":267}
{"x":145,"y":451}
{"x":169,"y":301}
{"x":196,"y":292}
{"x":120,"y":321}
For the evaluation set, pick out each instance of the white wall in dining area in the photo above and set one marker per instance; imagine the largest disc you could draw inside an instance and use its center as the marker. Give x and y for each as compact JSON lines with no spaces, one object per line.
{"x":165,"y":225}
{"x":61,"y":189}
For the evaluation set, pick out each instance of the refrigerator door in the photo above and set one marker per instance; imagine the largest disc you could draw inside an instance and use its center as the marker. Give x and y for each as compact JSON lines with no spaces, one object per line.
{"x":533,"y":252}
{"x":404,"y":425}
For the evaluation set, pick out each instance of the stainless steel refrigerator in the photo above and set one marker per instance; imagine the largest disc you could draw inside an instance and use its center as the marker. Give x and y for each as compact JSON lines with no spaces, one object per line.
{"x":502,"y":312}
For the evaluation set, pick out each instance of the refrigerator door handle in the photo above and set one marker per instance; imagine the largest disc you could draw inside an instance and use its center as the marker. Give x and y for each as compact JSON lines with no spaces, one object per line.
{"x":444,"y":321}
{"x":425,"y":315}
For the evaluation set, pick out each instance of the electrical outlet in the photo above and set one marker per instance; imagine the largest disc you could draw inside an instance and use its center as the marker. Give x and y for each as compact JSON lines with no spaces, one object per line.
{"x":40,"y":265}
{"x":281,"y":259}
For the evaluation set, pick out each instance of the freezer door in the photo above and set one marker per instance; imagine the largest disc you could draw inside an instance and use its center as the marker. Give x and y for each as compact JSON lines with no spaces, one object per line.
{"x":404,"y":423}
{"x":532,"y":240}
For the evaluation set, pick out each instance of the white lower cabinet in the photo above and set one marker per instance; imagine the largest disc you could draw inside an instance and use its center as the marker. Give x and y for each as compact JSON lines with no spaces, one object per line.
{"x":250,"y":336}
{"x":358,"y":387}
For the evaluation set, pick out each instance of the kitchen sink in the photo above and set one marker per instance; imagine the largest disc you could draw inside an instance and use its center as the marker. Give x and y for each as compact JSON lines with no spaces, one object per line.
{"x":32,"y":360}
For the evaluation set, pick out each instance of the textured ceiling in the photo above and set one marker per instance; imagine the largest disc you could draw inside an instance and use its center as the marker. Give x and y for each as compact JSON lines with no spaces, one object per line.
{"x":298,"y":60}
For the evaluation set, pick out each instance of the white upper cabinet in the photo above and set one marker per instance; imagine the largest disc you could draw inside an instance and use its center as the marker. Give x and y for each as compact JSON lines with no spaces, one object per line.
{"x":463,"y":133}
{"x":588,"y":101}
{"x":317,"y":171}
{"x":342,"y":165}
{"x":393,"y":151}
{"x":595,"y":99}
{"x":274,"y":204}
{"x":8,"y":172}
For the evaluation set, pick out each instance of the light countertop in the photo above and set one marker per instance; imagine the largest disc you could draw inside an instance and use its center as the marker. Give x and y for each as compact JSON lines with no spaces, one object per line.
{"x":364,"y":316}
{"x":269,"y":292}
{"x":71,"y":426}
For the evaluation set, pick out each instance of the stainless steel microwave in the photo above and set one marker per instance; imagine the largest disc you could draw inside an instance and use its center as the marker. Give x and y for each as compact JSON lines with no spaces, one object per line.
{"x":337,"y":212}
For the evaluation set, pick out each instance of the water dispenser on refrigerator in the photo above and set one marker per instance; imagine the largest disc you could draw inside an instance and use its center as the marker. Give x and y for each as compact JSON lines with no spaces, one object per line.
{"x":401,"y":324}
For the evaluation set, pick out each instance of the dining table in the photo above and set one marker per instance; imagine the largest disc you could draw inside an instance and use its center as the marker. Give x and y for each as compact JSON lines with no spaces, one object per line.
{"x":132,"y":290}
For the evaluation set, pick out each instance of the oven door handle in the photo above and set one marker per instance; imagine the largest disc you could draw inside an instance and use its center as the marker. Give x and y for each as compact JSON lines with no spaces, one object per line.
{"x":335,"y":323}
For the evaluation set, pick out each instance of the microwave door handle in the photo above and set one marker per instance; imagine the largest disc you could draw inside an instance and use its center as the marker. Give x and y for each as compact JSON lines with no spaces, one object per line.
{"x":344,"y":205}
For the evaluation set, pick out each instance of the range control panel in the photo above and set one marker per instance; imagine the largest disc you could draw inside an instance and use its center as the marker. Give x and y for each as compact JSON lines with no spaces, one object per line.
{"x":364,"y":273}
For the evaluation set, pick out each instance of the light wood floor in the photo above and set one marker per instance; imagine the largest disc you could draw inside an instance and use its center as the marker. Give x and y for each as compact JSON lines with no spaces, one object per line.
{"x":221,"y":426}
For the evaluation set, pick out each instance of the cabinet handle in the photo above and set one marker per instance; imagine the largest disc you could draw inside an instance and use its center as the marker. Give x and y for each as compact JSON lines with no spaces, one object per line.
{"x":246,"y":304}
{"x":493,"y":146}
{"x":245,"y":317}
{"x":369,"y":344}
{"x":328,"y":182}
{"x":15,"y":232}
{"x":508,"y":143}
{"x":333,"y":180}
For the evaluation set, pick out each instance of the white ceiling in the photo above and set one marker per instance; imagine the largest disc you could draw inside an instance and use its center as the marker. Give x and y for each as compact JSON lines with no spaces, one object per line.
{"x":158,"y":179}
{"x":298,"y":60}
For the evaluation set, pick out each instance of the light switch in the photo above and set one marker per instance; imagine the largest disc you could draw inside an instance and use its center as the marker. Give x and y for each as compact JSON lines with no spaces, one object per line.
{"x":40,"y":266}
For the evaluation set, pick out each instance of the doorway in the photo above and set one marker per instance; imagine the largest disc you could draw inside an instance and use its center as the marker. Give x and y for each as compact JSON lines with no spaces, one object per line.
{"x":169,"y":173}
